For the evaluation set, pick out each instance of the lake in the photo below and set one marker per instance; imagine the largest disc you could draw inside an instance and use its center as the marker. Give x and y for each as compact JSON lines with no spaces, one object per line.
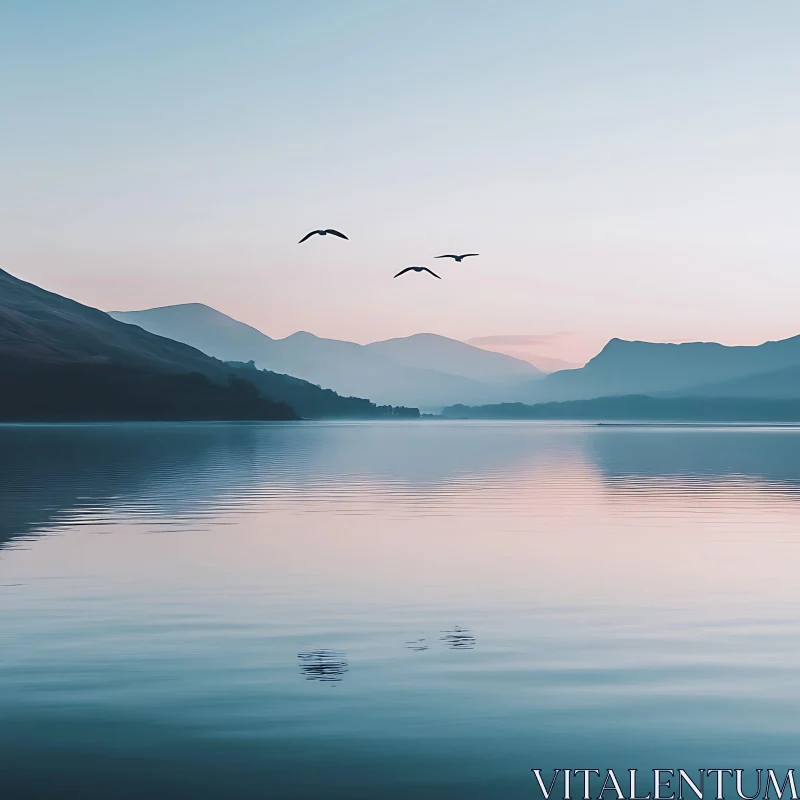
{"x":392,"y":610}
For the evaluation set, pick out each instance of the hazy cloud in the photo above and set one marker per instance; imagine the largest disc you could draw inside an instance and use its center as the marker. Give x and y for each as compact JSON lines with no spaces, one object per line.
{"x":523,"y":340}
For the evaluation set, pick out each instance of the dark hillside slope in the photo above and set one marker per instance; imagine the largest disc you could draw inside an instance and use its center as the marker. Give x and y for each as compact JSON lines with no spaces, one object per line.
{"x":86,"y":392}
{"x":37,"y":325}
{"x":60,"y":359}
{"x":310,"y":400}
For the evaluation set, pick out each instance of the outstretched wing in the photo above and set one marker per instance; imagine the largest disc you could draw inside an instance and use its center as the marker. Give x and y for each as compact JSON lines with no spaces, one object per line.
{"x":335,"y":233}
{"x":431,"y":272}
{"x":467,"y":255}
{"x":308,"y":235}
{"x":402,"y":271}
{"x":446,"y":255}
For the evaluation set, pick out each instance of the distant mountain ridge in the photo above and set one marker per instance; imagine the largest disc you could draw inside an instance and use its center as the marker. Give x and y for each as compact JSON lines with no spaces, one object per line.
{"x":439,"y":353}
{"x":434,"y":371}
{"x":691,"y":368}
{"x":213,"y":332}
{"x":420,"y":370}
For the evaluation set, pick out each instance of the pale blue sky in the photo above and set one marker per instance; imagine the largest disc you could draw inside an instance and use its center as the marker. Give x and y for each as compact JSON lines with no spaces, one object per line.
{"x":624,"y":168}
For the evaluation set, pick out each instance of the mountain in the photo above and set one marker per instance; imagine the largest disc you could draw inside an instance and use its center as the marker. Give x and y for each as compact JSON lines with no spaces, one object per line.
{"x":350,"y":368}
{"x":203,"y":327}
{"x":625,"y":367}
{"x":60,"y":359}
{"x":438,"y":353}
{"x":779,"y":383}
{"x":641,"y":408}
{"x":424,"y":370}
{"x":58,"y":391}
{"x":40,"y":326}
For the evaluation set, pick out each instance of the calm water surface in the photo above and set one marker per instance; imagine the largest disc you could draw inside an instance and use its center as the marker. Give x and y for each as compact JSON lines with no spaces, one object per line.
{"x":392,"y":610}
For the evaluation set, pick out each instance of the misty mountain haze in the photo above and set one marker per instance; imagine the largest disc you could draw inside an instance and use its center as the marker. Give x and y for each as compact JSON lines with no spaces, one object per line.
{"x":422,"y":370}
{"x":527,"y":347}
{"x":547,"y":364}
{"x":433,"y":371}
{"x":430,"y":351}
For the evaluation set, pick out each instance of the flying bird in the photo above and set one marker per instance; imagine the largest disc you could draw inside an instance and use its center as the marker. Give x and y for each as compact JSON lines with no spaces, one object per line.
{"x":418,"y":269}
{"x":458,"y":258}
{"x":322,"y":233}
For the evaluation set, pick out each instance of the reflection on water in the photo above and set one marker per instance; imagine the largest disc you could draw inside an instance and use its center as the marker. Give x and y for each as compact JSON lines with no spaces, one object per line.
{"x":55,"y":472}
{"x":322,"y":665}
{"x":458,"y":639}
{"x":633,"y":593}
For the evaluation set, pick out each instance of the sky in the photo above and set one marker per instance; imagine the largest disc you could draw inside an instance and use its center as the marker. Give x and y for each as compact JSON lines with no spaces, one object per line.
{"x":624,"y":169}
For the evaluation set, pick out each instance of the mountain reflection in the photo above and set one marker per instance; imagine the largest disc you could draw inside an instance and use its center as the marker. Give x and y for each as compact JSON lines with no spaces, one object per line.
{"x":171,"y":471}
{"x":696,"y":458}
{"x":51,"y":474}
{"x":155,"y":470}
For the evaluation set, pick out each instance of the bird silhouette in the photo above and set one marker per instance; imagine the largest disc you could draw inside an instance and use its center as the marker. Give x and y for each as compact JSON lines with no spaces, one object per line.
{"x":458,"y":258}
{"x":322,"y":233}
{"x":417,"y":269}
